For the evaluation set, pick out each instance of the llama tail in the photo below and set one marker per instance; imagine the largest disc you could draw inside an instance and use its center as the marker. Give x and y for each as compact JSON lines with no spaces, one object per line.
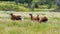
{"x":22,"y":18}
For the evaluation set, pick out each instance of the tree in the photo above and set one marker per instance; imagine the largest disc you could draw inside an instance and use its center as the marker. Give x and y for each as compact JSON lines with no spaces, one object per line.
{"x":58,"y":3}
{"x":17,"y":1}
{"x":50,"y":5}
{"x":29,"y":3}
{"x":21,"y":1}
{"x":49,"y":2}
{"x":6,"y":0}
{"x":36,"y":5}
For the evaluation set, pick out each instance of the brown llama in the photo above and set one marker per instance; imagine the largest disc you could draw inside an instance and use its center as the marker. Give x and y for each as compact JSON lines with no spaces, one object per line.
{"x":34,"y":18}
{"x":44,"y":19}
{"x":14,"y":17}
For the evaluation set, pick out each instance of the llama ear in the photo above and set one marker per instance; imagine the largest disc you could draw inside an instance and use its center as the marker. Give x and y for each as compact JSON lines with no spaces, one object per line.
{"x":11,"y":13}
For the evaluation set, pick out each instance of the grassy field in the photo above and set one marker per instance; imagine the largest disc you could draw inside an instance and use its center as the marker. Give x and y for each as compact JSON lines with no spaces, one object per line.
{"x":8,"y":26}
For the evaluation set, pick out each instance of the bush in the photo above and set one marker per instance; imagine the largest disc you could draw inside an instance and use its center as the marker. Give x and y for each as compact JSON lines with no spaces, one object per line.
{"x":12,"y":7}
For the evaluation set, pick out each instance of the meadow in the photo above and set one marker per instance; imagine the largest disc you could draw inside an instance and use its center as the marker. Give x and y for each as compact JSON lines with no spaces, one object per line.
{"x":8,"y":26}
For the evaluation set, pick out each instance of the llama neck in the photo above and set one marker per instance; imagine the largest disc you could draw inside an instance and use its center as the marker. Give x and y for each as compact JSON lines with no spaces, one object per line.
{"x":31,"y":17}
{"x":12,"y":15}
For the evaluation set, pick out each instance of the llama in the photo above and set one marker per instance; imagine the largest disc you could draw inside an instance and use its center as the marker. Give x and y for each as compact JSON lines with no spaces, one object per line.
{"x":14,"y":17}
{"x":36,"y":18}
{"x":44,"y":19}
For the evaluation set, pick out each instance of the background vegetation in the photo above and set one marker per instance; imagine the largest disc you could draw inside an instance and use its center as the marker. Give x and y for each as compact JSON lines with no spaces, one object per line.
{"x":29,"y":5}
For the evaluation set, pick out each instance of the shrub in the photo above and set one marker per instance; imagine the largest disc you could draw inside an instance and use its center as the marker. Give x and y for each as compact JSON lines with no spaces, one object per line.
{"x":12,"y":7}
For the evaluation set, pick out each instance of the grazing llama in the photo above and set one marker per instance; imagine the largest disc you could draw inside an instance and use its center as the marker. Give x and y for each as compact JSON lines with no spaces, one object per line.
{"x":36,"y":18}
{"x":14,"y":17}
{"x":44,"y":19}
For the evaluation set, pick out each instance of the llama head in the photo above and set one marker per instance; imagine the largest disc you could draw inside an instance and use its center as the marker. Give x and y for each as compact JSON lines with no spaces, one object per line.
{"x":30,"y":14}
{"x":11,"y":14}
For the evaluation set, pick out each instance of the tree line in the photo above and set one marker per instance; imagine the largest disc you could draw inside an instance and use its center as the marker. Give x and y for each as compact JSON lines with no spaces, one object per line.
{"x":39,"y":2}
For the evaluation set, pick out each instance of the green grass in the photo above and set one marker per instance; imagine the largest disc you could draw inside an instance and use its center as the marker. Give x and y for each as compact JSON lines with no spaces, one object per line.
{"x":52,"y":26}
{"x":28,"y":27}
